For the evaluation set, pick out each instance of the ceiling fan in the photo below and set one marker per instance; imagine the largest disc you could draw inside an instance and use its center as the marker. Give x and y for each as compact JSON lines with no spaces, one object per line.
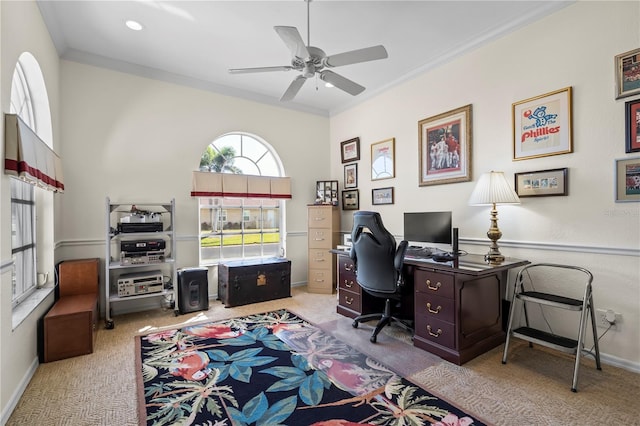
{"x":312,"y":60}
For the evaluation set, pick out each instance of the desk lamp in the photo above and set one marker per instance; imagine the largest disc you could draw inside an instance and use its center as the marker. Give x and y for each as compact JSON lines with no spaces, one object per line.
{"x":492,"y":188}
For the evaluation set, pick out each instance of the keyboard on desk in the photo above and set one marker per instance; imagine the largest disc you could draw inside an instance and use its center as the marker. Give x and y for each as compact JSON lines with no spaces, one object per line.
{"x":418,"y":252}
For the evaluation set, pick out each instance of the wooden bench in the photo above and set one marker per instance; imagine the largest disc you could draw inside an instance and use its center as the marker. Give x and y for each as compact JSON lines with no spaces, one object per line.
{"x":70,"y":325}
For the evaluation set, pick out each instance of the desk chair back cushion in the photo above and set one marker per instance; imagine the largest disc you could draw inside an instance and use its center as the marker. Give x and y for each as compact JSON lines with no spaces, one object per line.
{"x":378,"y":264}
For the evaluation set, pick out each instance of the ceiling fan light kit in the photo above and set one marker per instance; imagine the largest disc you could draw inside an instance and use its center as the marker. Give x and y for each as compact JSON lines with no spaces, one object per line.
{"x":310,"y":60}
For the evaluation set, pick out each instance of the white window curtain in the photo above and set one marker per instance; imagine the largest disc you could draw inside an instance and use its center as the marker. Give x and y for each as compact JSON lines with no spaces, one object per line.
{"x":29,"y":158}
{"x":208,"y":184}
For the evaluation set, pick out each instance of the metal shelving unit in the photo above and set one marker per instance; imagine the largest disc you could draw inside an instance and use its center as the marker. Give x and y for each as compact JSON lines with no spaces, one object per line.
{"x":114,"y":267}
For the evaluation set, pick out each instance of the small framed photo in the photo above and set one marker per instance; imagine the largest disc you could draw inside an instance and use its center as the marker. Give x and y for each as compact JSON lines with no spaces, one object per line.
{"x":444,"y":146}
{"x":327,"y":192}
{"x":381,"y":196}
{"x":351,"y":176}
{"x":350,"y":150}
{"x":632,"y":126}
{"x":627,"y":73}
{"x":383,"y":159}
{"x":350,"y":199}
{"x":542,"y":125}
{"x":542,"y":183}
{"x":628,"y":179}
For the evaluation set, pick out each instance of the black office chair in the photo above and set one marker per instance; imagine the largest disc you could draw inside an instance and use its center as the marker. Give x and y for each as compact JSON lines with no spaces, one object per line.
{"x":378,"y":266}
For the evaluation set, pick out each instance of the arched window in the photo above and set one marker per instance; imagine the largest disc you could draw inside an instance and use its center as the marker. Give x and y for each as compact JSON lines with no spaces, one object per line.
{"x":234,"y":228}
{"x":29,"y":100}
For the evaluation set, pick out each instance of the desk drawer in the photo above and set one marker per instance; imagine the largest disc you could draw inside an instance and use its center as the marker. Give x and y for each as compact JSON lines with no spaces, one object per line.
{"x":436,"y":307}
{"x":350,"y":300}
{"x":348,"y":282}
{"x":440,"y":332}
{"x":346,"y":267}
{"x":434,"y":283}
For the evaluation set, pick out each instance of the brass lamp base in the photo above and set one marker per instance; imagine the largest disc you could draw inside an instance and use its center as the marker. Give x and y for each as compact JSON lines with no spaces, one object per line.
{"x":494,"y":256}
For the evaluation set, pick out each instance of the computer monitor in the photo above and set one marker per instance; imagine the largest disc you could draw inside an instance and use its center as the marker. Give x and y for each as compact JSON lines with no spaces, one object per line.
{"x":428,"y":227}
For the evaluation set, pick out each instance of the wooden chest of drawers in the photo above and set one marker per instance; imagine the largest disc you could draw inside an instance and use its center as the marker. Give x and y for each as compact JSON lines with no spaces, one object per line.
{"x":323,"y":235}
{"x":250,"y":281}
{"x":458,"y":316}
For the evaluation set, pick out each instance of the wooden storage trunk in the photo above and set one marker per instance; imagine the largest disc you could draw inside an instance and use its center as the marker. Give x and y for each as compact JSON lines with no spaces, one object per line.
{"x":243,"y":282}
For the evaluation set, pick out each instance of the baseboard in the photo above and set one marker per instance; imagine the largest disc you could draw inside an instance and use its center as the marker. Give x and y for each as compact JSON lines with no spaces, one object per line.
{"x":17,"y":394}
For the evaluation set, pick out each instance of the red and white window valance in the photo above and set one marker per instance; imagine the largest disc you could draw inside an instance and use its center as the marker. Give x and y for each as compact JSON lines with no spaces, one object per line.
{"x":28,"y":157}
{"x":208,"y":184}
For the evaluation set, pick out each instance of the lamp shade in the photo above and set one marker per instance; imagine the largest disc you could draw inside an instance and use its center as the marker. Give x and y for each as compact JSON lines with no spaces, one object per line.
{"x":493,"y":188}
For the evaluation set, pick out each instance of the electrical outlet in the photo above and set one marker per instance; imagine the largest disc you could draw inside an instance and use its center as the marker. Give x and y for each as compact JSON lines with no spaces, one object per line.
{"x":604,"y":318}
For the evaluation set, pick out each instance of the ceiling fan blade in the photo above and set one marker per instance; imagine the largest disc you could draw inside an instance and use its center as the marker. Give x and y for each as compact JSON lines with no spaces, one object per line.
{"x":341,"y":82}
{"x":293,"y":40}
{"x":293,"y":88}
{"x":260,"y":69}
{"x":356,"y":56}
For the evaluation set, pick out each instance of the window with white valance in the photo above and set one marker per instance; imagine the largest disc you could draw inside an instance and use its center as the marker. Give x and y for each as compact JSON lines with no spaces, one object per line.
{"x":241,"y":192}
{"x":29,"y":158}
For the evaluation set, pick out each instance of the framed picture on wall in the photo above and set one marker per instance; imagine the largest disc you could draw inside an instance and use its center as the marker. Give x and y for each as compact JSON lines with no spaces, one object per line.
{"x":383,"y":159}
{"x":351,"y":176}
{"x":627,"y":73}
{"x":628,"y":179}
{"x":350,"y":199}
{"x":542,"y":125}
{"x":327,"y":192}
{"x":444,"y":145}
{"x":632,"y":126}
{"x":381,"y":196}
{"x":350,"y":150}
{"x":541,"y":183}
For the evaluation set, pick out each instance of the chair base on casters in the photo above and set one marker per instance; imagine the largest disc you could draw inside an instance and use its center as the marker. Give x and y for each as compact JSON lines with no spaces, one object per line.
{"x":385,"y":318}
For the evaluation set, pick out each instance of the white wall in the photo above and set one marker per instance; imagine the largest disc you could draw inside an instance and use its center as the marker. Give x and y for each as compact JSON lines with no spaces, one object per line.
{"x":21,"y":30}
{"x":573,"y":47}
{"x":138,"y":140}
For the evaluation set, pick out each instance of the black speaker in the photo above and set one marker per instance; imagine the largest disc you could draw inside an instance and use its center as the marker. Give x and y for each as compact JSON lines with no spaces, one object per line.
{"x":454,"y":242}
{"x":193,"y":290}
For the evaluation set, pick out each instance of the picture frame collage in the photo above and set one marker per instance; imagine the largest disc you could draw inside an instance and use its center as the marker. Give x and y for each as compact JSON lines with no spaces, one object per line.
{"x":627,"y":170}
{"x":542,"y":126}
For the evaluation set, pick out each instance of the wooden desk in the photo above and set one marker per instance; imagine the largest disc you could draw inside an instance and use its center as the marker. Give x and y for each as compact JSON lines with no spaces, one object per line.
{"x":457,"y":305}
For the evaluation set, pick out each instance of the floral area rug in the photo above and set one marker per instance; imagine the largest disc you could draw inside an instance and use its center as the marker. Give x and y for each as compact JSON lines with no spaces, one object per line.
{"x":274,"y":369}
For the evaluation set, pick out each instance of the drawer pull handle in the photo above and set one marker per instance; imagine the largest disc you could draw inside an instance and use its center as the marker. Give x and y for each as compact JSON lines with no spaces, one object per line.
{"x":348,"y":300}
{"x":348,"y":284}
{"x":317,"y":219}
{"x":319,"y":280}
{"x":434,"y":288}
{"x":319,"y":260}
{"x":319,"y":239}
{"x":436,"y":311}
{"x":431,"y":333}
{"x":348,"y":267}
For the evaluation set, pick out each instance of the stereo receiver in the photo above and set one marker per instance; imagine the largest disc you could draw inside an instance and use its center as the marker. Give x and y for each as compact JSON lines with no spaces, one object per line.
{"x":140,"y":283}
{"x":142,"y":245}
{"x":142,"y":257}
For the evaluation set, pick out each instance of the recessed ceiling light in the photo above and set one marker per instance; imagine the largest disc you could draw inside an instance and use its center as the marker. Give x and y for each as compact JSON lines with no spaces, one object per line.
{"x":134,"y":25}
